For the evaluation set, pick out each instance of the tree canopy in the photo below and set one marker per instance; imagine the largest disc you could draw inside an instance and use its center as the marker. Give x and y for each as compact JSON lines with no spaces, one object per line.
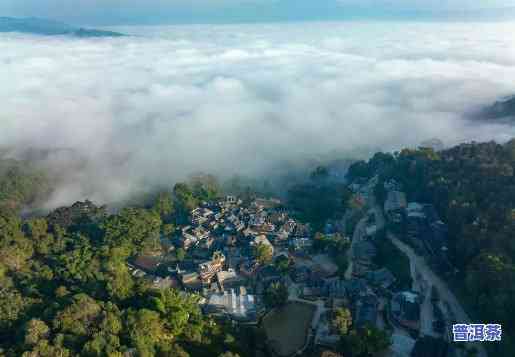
{"x":67,"y":291}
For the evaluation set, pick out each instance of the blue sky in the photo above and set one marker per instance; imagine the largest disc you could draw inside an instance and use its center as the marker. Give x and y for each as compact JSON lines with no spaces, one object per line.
{"x":191,"y":11}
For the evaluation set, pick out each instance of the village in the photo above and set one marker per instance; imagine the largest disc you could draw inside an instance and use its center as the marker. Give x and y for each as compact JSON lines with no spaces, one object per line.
{"x":231,"y":253}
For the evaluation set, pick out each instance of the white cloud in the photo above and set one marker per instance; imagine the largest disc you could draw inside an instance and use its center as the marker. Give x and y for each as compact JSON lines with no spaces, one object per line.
{"x":151,"y":109}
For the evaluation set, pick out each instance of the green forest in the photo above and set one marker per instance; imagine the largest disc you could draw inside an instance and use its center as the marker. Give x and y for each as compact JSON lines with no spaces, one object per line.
{"x":21,"y":184}
{"x":65,"y":289}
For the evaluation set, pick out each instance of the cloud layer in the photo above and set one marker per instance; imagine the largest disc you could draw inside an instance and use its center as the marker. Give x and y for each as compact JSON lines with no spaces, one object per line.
{"x":151,"y":109}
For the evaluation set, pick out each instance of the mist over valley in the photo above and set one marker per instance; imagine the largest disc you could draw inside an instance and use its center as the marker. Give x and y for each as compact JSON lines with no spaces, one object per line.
{"x":111,"y":118}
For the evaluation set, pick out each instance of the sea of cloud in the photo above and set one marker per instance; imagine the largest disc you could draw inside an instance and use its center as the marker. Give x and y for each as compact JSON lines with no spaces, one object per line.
{"x":150,"y":109}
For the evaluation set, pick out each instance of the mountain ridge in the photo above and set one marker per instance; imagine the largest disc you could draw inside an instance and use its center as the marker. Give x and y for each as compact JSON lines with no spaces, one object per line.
{"x":47,"y":27}
{"x":501,"y":110}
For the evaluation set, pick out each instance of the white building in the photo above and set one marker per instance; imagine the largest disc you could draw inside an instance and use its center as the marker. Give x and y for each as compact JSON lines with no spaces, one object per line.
{"x":238,"y":307}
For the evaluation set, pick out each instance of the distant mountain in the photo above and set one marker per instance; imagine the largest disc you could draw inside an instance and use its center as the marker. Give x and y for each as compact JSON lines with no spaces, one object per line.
{"x":50,"y":28}
{"x":501,"y":110}
{"x":96,"y":33}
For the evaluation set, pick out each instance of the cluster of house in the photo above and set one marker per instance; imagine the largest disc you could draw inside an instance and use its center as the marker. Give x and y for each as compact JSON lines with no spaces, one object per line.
{"x":419,"y":225}
{"x":219,"y":254}
{"x":219,"y":262}
{"x":362,"y":294}
{"x":372,"y":290}
{"x":370,"y":287}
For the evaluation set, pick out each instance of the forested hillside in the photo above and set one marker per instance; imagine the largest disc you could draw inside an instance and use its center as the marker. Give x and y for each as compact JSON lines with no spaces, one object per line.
{"x":21,"y":184}
{"x":473,"y":188}
{"x":65,"y":288}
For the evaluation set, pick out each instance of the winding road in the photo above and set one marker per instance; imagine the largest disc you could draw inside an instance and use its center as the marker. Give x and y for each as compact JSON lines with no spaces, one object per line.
{"x":423,"y":279}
